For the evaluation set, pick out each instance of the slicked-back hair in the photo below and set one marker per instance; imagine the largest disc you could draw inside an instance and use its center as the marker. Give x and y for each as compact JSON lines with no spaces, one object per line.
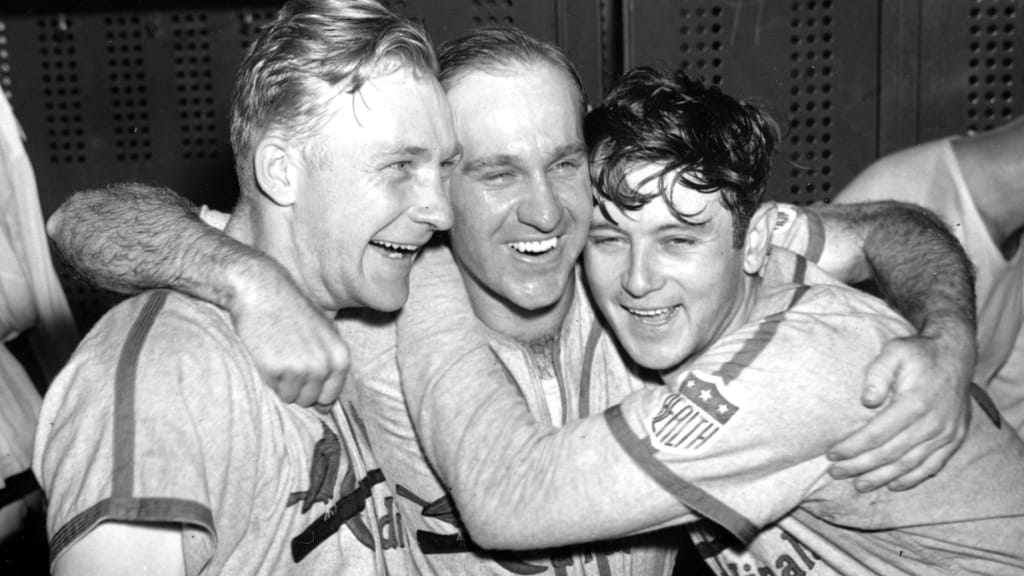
{"x":702,"y":138}
{"x":492,"y":48}
{"x":313,"y":51}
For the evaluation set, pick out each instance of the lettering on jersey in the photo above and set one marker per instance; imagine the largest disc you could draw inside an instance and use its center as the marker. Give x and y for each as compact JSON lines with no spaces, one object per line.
{"x":782,"y":218}
{"x":690,"y":418}
{"x":779,"y":553}
{"x":558,"y":562}
{"x":389,"y":526}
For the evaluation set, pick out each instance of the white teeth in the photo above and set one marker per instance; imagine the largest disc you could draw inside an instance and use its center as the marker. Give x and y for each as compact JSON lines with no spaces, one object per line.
{"x":396,"y":250}
{"x":535,"y":246}
{"x":653,"y":313}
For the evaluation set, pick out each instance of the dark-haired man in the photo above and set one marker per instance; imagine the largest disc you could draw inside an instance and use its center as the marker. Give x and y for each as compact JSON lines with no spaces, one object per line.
{"x":762,"y":358}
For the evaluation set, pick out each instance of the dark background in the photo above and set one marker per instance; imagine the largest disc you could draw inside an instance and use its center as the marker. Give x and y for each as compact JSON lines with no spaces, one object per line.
{"x":140,"y":90}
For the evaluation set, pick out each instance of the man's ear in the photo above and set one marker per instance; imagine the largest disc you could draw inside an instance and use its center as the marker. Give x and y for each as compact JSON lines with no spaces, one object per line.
{"x":277,"y":170}
{"x":759,"y":238}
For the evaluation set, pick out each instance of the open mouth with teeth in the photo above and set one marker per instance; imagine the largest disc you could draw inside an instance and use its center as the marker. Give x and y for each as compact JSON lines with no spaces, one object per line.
{"x":534,"y":247}
{"x":653,"y":315}
{"x":395,"y":250}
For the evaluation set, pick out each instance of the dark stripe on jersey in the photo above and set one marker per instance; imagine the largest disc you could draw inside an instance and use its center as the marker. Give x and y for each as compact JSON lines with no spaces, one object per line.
{"x":588,"y":366}
{"x":137,"y":510}
{"x":987,"y":405}
{"x":690,"y":495}
{"x":563,"y":394}
{"x":124,"y":397}
{"x":816,"y":236}
{"x":121,"y":506}
{"x":17,"y":487}
{"x":603,"y":568}
{"x":800,"y":273}
{"x":753,"y":347}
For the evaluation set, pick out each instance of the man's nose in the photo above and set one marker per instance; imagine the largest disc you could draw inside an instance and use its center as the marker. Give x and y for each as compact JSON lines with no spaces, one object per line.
{"x":643,"y":276}
{"x":540,"y":208}
{"x":432,"y":206}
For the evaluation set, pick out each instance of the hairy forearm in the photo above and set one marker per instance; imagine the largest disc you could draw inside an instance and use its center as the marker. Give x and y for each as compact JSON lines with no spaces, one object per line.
{"x":918,"y":265}
{"x":131,"y":237}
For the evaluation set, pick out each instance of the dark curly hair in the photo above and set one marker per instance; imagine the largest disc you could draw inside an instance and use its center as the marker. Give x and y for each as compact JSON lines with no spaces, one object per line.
{"x":709,"y":140}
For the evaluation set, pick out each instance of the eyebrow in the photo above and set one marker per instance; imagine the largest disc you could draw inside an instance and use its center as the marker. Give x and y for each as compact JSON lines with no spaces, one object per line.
{"x":513,"y":160}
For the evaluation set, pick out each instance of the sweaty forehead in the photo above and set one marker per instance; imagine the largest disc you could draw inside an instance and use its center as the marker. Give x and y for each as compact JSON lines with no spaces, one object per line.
{"x":400,"y":111}
{"x":523,"y":111}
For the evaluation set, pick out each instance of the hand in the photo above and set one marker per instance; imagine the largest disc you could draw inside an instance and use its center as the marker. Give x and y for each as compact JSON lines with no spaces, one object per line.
{"x":296,"y":347}
{"x":925,"y":422}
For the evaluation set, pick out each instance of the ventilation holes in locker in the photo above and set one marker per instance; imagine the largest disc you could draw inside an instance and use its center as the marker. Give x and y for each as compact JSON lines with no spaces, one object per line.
{"x":129,"y":93}
{"x":702,"y":33}
{"x":492,"y":13}
{"x":193,"y":85}
{"x":808,"y":133}
{"x":61,"y":91}
{"x":992,"y":26}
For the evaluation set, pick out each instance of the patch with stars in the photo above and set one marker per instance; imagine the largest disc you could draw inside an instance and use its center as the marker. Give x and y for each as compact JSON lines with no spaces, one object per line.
{"x":689,"y":419}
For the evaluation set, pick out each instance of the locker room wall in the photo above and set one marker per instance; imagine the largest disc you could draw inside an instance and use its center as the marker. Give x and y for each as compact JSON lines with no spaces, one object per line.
{"x":139,"y":90}
{"x":847,"y":80}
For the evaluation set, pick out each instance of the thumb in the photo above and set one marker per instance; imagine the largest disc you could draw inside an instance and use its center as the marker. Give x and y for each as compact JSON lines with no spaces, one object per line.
{"x":880,"y":377}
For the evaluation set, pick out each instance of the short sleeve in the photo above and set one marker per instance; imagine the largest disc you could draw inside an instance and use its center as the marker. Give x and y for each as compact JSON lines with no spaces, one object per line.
{"x":133,"y":430}
{"x":751,"y":417}
{"x":799,"y":231}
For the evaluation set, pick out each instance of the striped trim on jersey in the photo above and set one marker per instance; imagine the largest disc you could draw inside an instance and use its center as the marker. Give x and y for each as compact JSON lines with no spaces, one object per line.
{"x":122,"y":505}
{"x":815,"y":236}
{"x":644,"y":453}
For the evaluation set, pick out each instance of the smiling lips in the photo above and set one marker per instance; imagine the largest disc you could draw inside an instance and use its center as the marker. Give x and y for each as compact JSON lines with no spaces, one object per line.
{"x":534,"y":247}
{"x":653,"y":316}
{"x":395,"y":250}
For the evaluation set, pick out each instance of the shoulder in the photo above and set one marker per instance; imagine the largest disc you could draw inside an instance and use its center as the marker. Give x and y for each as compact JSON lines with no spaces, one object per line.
{"x":906,"y":175}
{"x":817,"y":330}
{"x":159,"y":343}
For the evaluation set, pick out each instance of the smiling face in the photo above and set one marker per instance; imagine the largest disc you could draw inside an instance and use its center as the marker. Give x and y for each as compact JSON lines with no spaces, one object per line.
{"x":521,"y":193}
{"x":372,"y":191}
{"x":668,"y":287}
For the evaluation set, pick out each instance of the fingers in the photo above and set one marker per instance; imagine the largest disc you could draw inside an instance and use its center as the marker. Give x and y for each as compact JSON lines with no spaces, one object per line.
{"x":930,"y":466}
{"x":880,"y":434}
{"x":287,"y":386}
{"x":331,"y":389}
{"x":882,"y":374}
{"x":911,"y":456}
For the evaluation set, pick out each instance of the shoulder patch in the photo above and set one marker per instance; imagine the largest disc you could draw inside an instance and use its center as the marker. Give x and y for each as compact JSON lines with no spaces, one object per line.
{"x":689,"y":418}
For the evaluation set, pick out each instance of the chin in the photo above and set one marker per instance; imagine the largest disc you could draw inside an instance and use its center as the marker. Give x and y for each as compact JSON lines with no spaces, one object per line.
{"x":535,"y":302}
{"x":386,"y":302}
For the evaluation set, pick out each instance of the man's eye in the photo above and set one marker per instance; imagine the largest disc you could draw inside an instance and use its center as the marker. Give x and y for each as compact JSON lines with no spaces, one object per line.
{"x":401,"y":165}
{"x":679,"y":241}
{"x":567,"y":165}
{"x":605,"y":240}
{"x":498,"y":177}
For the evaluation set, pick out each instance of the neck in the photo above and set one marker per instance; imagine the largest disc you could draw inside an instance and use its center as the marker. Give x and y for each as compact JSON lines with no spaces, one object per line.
{"x":269,"y":231}
{"x":735,"y":317}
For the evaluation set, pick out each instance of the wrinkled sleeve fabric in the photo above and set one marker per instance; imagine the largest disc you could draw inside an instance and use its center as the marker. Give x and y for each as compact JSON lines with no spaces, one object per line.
{"x":658,"y":458}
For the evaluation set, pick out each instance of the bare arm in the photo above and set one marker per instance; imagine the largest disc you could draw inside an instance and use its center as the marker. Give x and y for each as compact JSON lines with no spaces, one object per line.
{"x":132,"y":237}
{"x":922,"y":270}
